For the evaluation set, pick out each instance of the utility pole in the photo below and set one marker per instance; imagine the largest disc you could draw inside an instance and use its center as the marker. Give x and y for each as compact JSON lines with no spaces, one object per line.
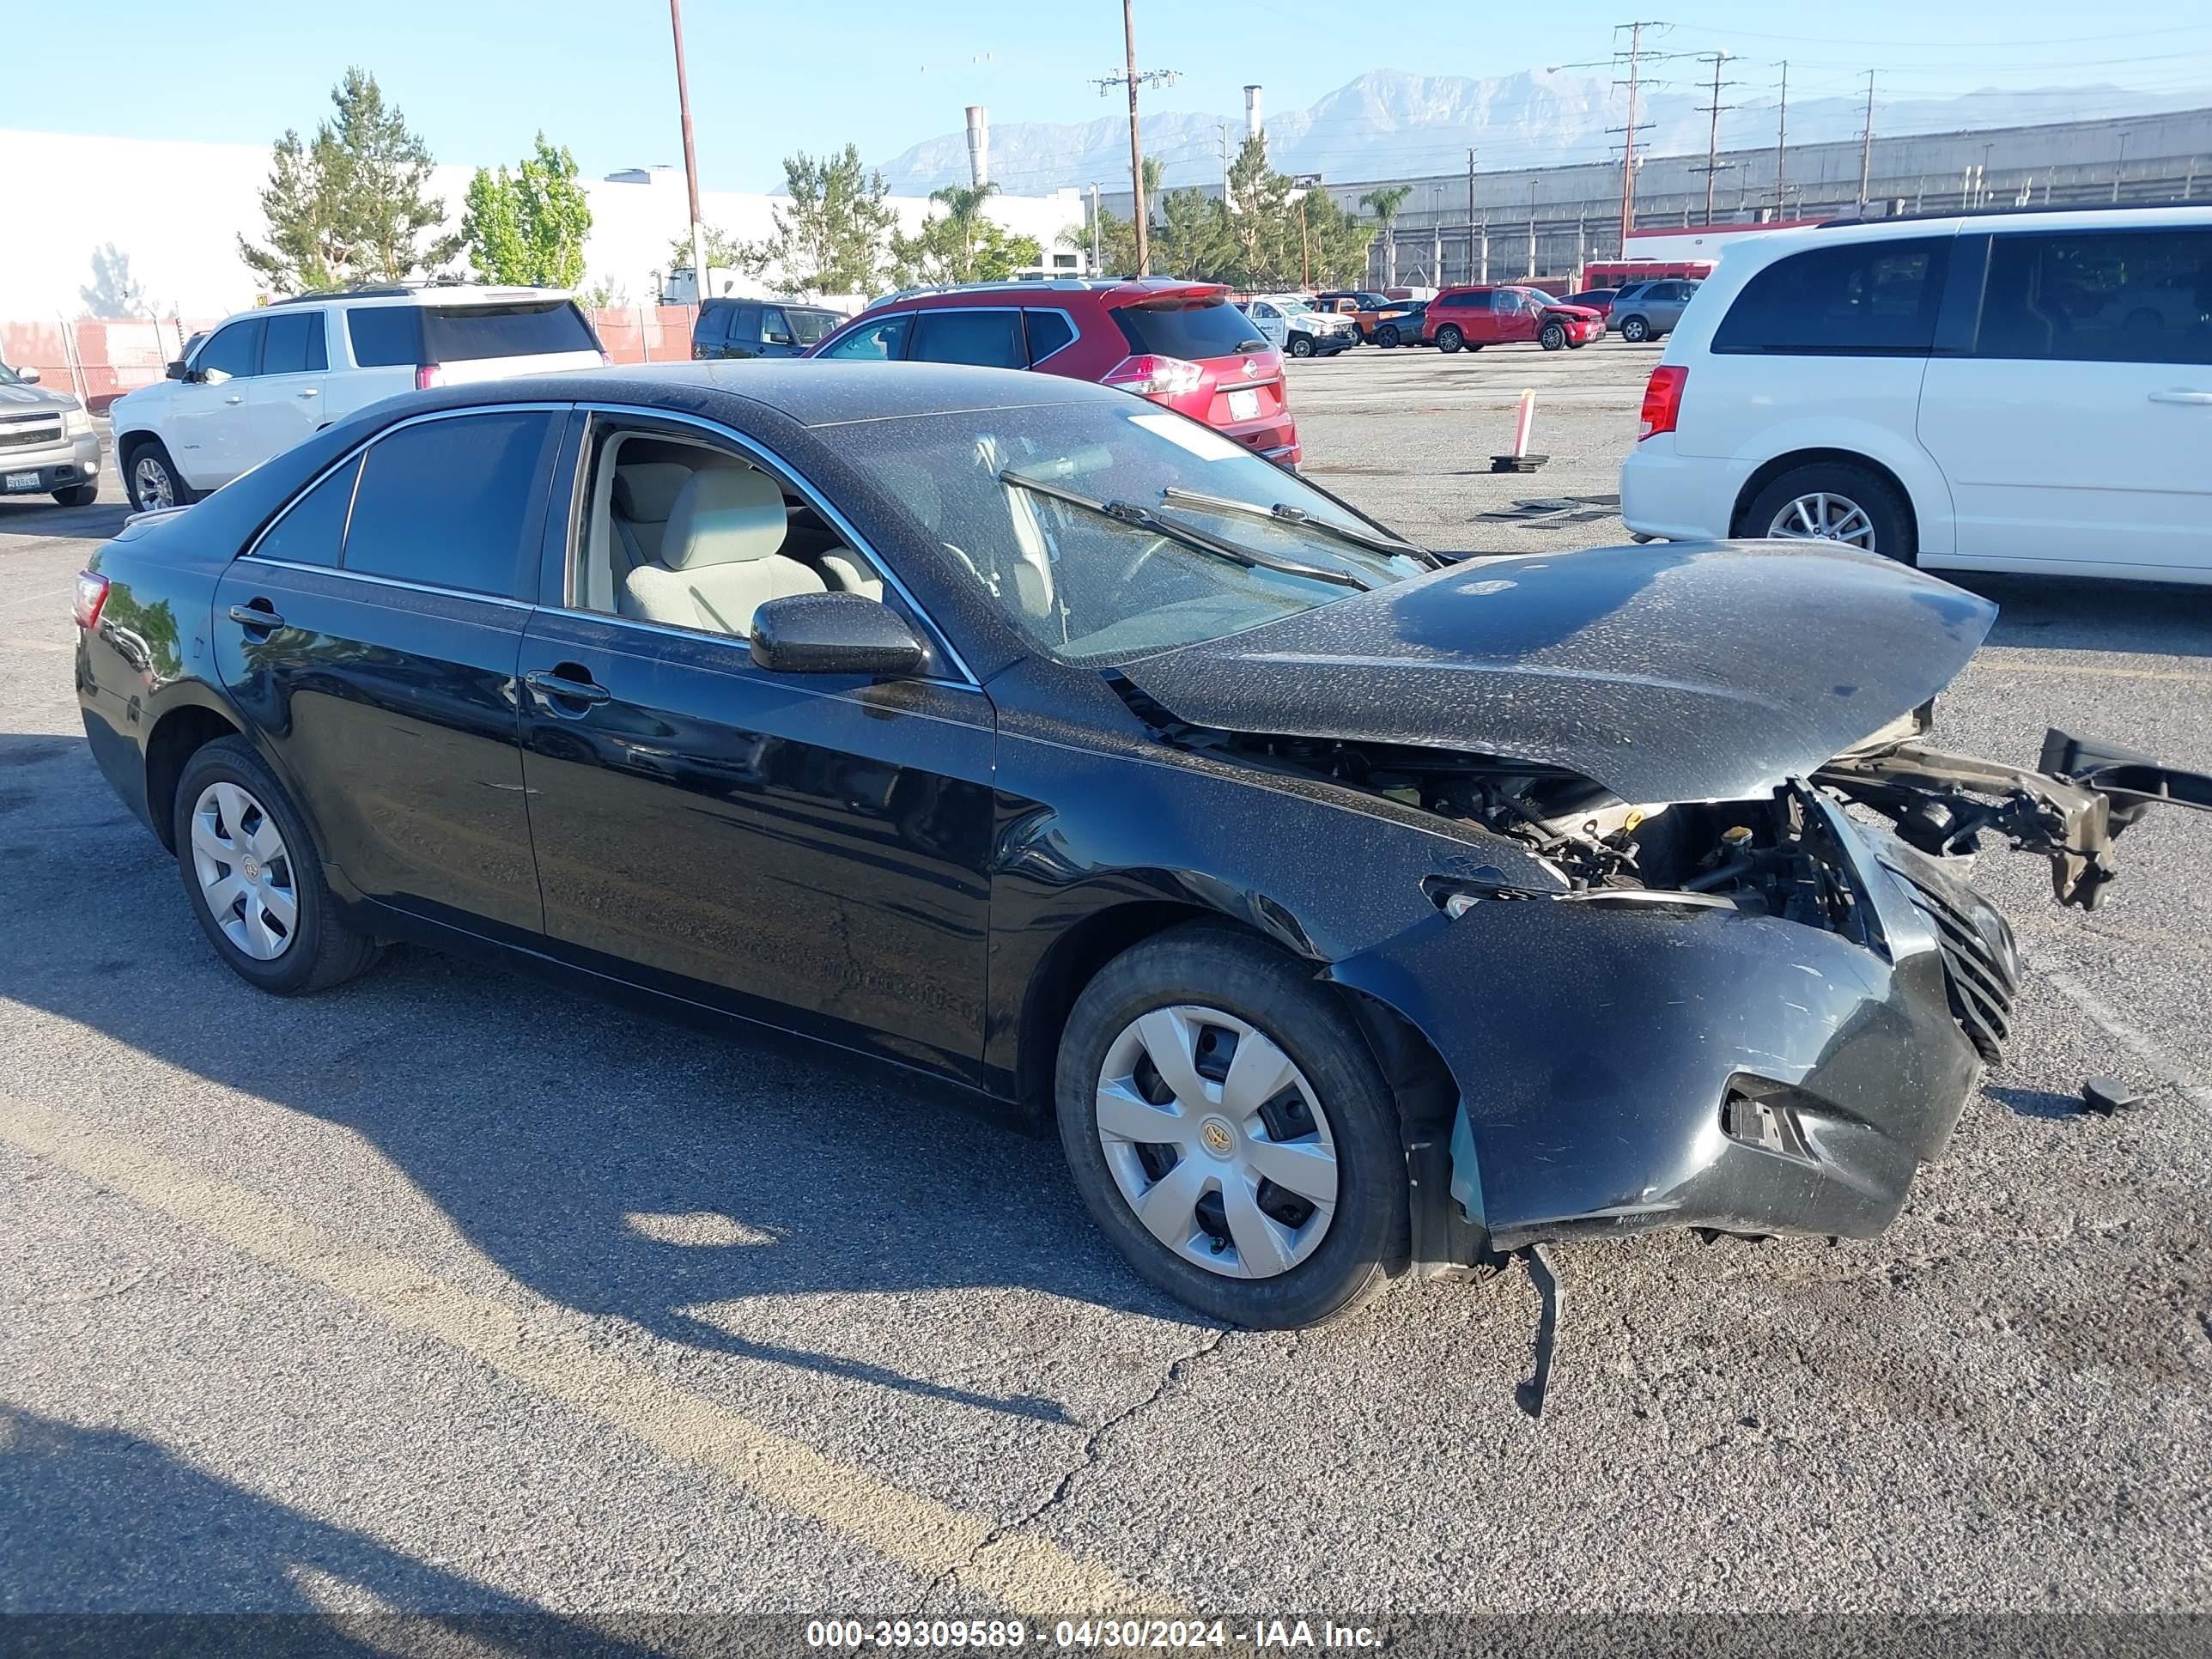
{"x":2120,"y":166}
{"x":1866,"y":144}
{"x":1713,"y":167}
{"x":1628,"y":133}
{"x":1532,"y":227}
{"x":1470,"y":216}
{"x":1781,"y":142}
{"x":1095,"y":262}
{"x":1130,"y":78}
{"x":691,"y":160}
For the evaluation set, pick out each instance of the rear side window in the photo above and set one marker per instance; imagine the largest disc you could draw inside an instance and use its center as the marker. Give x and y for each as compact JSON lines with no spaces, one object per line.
{"x":713,"y":328}
{"x":448,"y":503}
{"x":294,"y":344}
{"x":1048,"y":331}
{"x":1211,"y":328}
{"x":1854,"y":299}
{"x":2132,"y":296}
{"x":875,"y":342}
{"x":383,"y":336}
{"x":313,"y":532}
{"x":467,"y":334}
{"x":233,"y":350}
{"x":989,"y":338}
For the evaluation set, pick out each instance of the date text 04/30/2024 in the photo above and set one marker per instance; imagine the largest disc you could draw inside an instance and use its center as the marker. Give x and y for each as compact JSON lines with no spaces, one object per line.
{"x":1087,"y":1635}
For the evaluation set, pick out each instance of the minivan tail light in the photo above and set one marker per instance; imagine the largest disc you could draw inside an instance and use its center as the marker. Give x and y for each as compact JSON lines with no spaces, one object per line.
{"x":91,"y":595}
{"x":1663,"y":400}
{"x":428,"y":375}
{"x":1151,"y":376}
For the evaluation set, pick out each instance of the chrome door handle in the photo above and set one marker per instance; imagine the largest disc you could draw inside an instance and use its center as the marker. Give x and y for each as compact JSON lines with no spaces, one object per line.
{"x":255,"y":615}
{"x":2178,"y":396}
{"x":233,"y":399}
{"x":311,"y":392}
{"x":546,"y":683}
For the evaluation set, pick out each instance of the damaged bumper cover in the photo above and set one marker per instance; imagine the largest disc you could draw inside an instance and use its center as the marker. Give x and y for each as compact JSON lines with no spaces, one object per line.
{"x":1641,"y":1066}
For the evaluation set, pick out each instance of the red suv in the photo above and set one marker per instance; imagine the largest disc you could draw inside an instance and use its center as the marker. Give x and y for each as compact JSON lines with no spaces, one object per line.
{"x":1477,"y":317}
{"x":1179,"y":343}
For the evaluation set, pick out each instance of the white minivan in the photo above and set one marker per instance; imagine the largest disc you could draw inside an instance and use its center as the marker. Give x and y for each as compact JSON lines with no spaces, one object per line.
{"x":2024,"y":390}
{"x":260,"y":381}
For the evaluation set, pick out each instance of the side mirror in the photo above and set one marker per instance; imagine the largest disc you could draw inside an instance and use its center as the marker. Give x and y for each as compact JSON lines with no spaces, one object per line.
{"x":209,"y":376}
{"x":835,"y":634}
{"x":28,"y":375}
{"x":175,"y":371}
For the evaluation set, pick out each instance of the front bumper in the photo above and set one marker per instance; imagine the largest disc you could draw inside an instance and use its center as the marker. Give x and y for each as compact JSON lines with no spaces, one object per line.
{"x":50,"y":467}
{"x":1641,"y":1068}
{"x":1683,"y":498}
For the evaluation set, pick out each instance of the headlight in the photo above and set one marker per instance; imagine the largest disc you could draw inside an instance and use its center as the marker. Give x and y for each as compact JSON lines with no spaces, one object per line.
{"x":75,"y":423}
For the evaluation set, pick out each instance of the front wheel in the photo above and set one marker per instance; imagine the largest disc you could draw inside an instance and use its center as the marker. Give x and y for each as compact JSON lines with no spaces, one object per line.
{"x":1387,"y":336}
{"x":1448,"y":338}
{"x":83,"y":495}
{"x":1554,"y":337}
{"x":1636,"y":330}
{"x":1301,"y":345}
{"x":1227,"y":1127}
{"x":153,"y":482}
{"x":1831,"y":502}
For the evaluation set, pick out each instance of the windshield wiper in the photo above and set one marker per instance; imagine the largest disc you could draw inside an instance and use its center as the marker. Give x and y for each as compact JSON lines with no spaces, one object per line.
{"x":1283,"y":512}
{"x":1143,"y":518}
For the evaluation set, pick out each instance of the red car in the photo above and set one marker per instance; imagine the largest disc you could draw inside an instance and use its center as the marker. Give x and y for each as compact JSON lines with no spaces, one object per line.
{"x":1599,"y":300}
{"x":1477,"y":317}
{"x":1179,"y":343}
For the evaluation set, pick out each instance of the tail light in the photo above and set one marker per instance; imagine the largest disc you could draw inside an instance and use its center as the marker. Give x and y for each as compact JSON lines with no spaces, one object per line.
{"x":1663,"y":400}
{"x":428,"y":375}
{"x":1149,"y":376}
{"x":91,"y":595}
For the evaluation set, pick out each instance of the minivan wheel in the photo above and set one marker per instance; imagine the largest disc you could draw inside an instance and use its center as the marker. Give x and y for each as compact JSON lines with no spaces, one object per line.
{"x":1227,"y":1127}
{"x":1831,"y":502}
{"x":153,"y":483}
{"x":1635,"y":330}
{"x":1448,"y":338}
{"x":1553,"y":338}
{"x":1301,"y":345}
{"x":254,"y":877}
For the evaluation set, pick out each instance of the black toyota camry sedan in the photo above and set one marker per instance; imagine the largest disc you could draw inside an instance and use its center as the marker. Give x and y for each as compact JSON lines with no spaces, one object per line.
{"x":1351,"y":907}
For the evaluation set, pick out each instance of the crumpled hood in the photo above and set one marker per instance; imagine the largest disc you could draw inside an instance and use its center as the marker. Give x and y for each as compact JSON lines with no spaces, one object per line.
{"x":1682,"y":672}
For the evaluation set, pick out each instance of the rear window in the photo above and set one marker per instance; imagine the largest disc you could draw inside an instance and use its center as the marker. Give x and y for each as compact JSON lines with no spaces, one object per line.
{"x":383,"y":336}
{"x":463,"y":334}
{"x":1854,"y":299}
{"x":1210,"y":328}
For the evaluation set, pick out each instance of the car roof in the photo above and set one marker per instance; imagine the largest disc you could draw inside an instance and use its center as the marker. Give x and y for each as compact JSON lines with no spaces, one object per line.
{"x":1110,"y":290}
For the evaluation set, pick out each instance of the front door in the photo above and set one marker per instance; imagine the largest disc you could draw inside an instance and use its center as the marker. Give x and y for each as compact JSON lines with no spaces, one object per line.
{"x":811,"y":851}
{"x":1270,"y":322}
{"x":371,"y":635}
{"x":284,"y":402}
{"x":2079,"y":429}
{"x":208,"y":424}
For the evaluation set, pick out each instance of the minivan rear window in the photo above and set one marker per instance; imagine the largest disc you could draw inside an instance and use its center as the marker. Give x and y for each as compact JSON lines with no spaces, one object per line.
{"x":1210,"y":328}
{"x":1869,"y":298}
{"x":462,"y":334}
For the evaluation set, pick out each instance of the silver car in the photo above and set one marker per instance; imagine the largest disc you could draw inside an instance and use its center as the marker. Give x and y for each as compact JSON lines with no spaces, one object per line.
{"x":1649,"y":311}
{"x":48,"y":444}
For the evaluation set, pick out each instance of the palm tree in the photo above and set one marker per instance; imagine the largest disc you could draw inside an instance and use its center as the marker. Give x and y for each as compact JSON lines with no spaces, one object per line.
{"x":963,"y":209}
{"x":1385,"y":204}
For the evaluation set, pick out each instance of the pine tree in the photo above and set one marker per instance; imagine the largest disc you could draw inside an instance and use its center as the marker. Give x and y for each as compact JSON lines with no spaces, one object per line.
{"x":834,"y":236}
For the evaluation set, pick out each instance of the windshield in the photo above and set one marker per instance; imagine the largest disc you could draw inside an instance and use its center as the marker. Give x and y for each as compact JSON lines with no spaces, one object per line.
{"x":1092,"y":589}
{"x":8,"y":377}
{"x":808,"y":324}
{"x":1294,"y":306}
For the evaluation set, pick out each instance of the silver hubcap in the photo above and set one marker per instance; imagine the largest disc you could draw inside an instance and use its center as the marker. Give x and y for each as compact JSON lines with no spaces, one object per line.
{"x":245,"y":872}
{"x":1824,"y":518}
{"x":1217,"y":1142}
{"x":150,"y":483}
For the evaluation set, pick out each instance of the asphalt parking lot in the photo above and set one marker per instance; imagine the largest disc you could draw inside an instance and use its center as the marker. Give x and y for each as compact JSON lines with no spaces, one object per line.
{"x":446,"y":1293}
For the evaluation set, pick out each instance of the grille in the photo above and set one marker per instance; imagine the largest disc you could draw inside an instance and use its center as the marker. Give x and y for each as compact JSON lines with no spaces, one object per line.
{"x":1982,"y":981}
{"x":22,"y":434}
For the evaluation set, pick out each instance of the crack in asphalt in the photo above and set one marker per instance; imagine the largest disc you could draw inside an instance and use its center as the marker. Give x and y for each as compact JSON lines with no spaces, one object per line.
{"x":1093,"y":1446}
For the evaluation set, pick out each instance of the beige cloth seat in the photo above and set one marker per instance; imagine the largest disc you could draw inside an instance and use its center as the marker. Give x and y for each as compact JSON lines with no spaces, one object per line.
{"x":849,"y":575}
{"x":720,"y":557}
{"x":645,"y":493}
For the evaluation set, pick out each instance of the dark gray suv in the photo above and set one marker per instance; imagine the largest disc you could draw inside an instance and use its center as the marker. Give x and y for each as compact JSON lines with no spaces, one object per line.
{"x":758,"y":328}
{"x":1649,"y":311}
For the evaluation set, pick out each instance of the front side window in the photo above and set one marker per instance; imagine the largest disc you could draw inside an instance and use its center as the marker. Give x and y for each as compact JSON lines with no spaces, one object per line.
{"x":313,"y":530}
{"x":2133,"y":297}
{"x":445,"y":503}
{"x":773,"y":329}
{"x":1855,"y":299}
{"x":808,"y":323}
{"x":883,"y":341}
{"x":294,"y":344}
{"x":232,"y":349}
{"x":987,"y":338}
{"x":1089,"y":587}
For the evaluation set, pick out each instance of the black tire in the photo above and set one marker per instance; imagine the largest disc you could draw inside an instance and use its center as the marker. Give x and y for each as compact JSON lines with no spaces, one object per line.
{"x":1448,"y":338}
{"x":151,"y":451}
{"x":324,"y":951}
{"x":1387,"y":336}
{"x":1215,"y":967}
{"x":1884,"y":507}
{"x":83,"y":495}
{"x":1552,"y":336}
{"x":1301,"y":345}
{"x":1635,"y":330}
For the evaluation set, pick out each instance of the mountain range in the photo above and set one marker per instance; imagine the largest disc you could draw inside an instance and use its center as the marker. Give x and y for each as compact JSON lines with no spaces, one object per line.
{"x":1391,"y":124}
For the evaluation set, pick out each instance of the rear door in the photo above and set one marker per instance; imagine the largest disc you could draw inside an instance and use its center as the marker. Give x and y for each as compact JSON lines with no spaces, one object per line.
{"x":284,"y":402}
{"x":371,"y":636}
{"x":2078,"y":429}
{"x":467,"y":343}
{"x":988,"y":337}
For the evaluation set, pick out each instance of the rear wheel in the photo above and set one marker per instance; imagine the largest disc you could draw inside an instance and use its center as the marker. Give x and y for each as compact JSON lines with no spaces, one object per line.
{"x":1448,"y":338}
{"x":151,"y":478}
{"x":253,"y":878}
{"x":1554,"y":337}
{"x":83,"y":495}
{"x":1635,"y":330}
{"x":1833,"y":501}
{"x":1227,"y":1127}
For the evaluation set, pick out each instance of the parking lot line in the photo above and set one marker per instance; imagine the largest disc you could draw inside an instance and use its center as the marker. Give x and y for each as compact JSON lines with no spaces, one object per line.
{"x":1023,"y":1575}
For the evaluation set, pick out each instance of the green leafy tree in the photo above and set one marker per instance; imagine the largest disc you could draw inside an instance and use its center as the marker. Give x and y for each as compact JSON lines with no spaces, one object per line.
{"x":1384,"y":204}
{"x":834,"y":236}
{"x":962,"y":244}
{"x":349,"y":207}
{"x":529,"y":227}
{"x":723,"y":251}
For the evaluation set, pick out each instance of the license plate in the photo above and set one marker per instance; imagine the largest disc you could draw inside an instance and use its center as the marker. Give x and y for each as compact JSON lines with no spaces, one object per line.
{"x":30,"y":480}
{"x":1243,"y":404}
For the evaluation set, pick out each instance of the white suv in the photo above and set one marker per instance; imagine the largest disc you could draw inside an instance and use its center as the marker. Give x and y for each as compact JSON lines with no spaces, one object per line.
{"x":263,"y":380}
{"x":2023,"y":391}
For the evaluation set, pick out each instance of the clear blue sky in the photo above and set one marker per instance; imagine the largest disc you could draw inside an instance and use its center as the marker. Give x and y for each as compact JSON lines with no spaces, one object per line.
{"x":478,"y":77}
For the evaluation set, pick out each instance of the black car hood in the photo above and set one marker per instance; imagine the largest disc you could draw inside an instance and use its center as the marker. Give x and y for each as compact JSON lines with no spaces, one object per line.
{"x":1683,"y":672}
